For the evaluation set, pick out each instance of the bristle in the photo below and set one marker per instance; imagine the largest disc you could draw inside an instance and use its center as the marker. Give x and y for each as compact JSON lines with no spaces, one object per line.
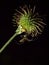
{"x":34,"y":9}
{"x":24,"y":10}
{"x":14,"y":17}
{"x":39,"y":24}
{"x":38,"y":19}
{"x":19,"y":12}
{"x":14,"y":14}
{"x":14,"y":25}
{"x":35,"y":14}
{"x":42,"y":22}
{"x":38,"y":28}
{"x":13,"y":20}
{"x":37,"y":32}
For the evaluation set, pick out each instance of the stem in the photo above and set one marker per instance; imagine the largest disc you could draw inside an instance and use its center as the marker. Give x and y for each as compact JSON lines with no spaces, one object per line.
{"x":18,"y":31}
{"x":8,"y":42}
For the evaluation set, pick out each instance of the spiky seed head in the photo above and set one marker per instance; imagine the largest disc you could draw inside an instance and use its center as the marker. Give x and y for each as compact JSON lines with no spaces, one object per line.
{"x":30,"y":22}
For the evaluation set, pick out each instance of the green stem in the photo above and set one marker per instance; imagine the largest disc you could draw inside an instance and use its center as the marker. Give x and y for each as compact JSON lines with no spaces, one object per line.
{"x":18,"y":31}
{"x":8,"y":42}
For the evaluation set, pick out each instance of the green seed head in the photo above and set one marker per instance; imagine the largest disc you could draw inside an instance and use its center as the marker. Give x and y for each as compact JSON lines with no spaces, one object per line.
{"x":29,"y":22}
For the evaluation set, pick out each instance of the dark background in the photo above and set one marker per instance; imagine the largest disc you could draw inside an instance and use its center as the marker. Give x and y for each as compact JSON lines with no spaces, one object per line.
{"x":29,"y":53}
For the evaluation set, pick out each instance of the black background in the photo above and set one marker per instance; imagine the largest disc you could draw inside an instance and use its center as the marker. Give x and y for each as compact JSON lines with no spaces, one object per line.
{"x":30,"y":53}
